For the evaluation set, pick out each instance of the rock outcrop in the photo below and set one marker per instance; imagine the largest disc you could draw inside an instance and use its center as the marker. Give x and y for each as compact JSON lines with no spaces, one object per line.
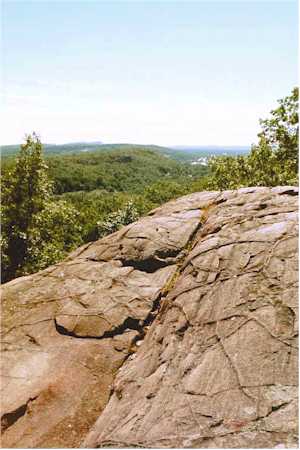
{"x":177,"y":331}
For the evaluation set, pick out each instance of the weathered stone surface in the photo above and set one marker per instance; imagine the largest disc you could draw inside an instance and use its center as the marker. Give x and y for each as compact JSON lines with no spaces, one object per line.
{"x":67,"y":329}
{"x":218,"y":367}
{"x":177,"y":331}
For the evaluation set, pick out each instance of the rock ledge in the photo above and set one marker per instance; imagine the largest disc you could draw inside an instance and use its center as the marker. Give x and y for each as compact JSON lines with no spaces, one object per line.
{"x":177,"y":331}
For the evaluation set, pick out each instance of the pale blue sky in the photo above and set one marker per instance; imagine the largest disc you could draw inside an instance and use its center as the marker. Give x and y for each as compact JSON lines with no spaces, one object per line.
{"x":151,"y":72}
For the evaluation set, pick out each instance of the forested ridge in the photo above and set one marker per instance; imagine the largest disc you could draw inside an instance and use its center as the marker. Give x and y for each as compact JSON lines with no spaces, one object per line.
{"x":128,"y":169}
{"x":52,"y":204}
{"x":77,"y":147}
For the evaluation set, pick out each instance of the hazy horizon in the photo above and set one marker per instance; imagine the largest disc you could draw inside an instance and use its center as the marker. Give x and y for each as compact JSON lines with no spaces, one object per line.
{"x":171,"y":146}
{"x":163,"y":72}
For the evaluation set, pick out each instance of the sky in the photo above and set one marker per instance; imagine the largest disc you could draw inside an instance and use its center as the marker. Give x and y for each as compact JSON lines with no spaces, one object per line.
{"x":147,"y":72}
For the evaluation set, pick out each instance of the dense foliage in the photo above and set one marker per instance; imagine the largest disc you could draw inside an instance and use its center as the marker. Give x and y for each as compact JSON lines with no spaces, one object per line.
{"x":52,"y":205}
{"x":36,"y":230}
{"x":117,"y":170}
{"x":273,"y":161}
{"x":117,"y":219}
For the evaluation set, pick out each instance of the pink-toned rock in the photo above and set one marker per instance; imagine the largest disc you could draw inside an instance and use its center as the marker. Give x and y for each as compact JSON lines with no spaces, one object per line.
{"x":177,"y":331}
{"x":218,"y":367}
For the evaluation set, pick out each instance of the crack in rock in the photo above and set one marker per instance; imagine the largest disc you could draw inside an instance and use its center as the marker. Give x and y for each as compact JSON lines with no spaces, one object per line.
{"x":8,"y":419}
{"x":149,"y":265}
{"x":129,"y":324}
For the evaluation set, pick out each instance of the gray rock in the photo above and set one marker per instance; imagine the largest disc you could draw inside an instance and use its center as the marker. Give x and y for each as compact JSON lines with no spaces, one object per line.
{"x":177,"y":331}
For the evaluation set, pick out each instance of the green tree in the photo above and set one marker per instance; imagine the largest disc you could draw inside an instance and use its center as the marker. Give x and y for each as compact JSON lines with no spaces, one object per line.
{"x":273,"y":161}
{"x":55,"y":230}
{"x":228,"y":172}
{"x":115,"y":220}
{"x":28,"y":210}
{"x":163,"y":191}
{"x":281,"y":130}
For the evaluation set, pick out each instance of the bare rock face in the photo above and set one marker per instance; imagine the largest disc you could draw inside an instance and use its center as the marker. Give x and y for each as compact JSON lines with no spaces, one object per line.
{"x":177,"y":331}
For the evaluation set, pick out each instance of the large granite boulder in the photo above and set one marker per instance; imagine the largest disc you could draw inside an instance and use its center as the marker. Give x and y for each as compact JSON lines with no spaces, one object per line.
{"x":177,"y":331}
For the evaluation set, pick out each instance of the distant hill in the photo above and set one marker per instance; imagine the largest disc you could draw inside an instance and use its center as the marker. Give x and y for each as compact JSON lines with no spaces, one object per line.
{"x":179,"y":153}
{"x":72,"y":147}
{"x":78,"y":147}
{"x":113,"y":168}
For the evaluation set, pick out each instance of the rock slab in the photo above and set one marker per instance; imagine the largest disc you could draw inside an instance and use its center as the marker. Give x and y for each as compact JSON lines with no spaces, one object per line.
{"x":180,"y":330}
